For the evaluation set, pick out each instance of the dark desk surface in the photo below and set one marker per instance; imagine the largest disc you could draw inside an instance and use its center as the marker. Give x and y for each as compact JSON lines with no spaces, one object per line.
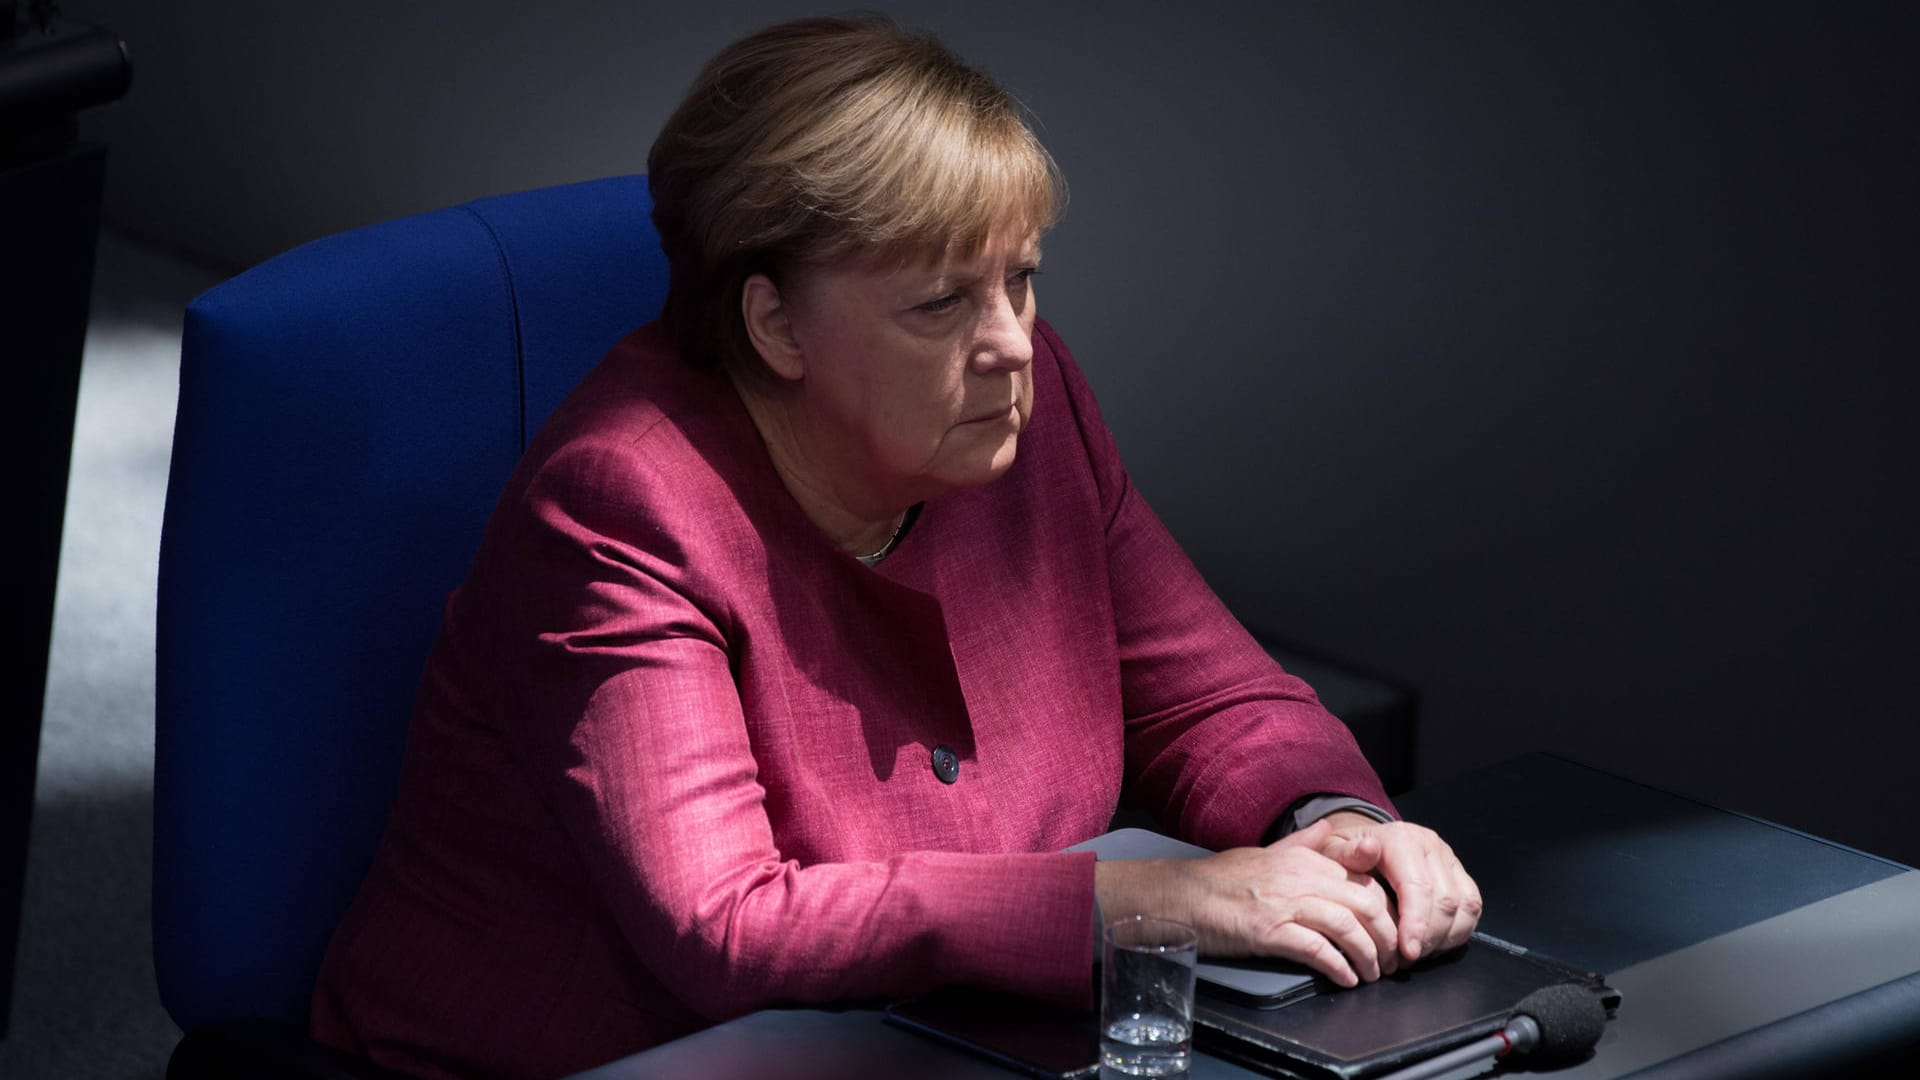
{"x":1733,"y":940}
{"x":1605,"y":873}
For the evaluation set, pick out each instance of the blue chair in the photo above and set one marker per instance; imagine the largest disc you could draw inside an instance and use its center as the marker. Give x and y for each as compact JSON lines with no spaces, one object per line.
{"x":348,"y":414}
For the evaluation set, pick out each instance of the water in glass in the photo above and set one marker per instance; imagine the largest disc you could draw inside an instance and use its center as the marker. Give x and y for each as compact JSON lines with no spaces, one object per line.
{"x":1147,"y":1046}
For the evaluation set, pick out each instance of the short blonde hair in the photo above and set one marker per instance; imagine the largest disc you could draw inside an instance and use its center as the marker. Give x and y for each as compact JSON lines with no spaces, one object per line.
{"x":820,"y":139}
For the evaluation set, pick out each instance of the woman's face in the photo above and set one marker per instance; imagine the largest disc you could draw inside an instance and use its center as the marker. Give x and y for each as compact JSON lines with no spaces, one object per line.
{"x":917,"y":378}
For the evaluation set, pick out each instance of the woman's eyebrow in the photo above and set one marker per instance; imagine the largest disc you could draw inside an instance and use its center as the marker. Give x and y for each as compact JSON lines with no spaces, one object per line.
{"x":947,"y":277}
{"x":1026,"y":258}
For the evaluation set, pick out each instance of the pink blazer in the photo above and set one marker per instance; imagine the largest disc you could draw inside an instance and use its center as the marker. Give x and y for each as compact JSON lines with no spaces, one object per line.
{"x":676,"y":757}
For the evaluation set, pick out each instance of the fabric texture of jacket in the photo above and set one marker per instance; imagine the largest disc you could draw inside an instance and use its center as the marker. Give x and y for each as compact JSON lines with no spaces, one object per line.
{"x":673,"y":757}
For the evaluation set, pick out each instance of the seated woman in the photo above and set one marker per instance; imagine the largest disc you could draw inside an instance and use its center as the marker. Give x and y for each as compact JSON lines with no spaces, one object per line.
{"x":821,"y":616}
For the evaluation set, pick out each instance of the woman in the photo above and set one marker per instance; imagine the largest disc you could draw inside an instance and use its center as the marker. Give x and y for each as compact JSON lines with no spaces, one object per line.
{"x":821,"y":616}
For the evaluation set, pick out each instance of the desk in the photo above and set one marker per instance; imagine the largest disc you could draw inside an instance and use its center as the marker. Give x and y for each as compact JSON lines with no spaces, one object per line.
{"x":1739,"y":946}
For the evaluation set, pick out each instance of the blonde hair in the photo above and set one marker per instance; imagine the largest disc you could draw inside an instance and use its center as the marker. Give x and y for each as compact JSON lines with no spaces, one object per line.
{"x":820,"y":139}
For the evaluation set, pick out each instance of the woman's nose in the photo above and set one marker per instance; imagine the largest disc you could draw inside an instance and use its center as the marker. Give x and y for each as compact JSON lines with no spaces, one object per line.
{"x":1005,"y":337}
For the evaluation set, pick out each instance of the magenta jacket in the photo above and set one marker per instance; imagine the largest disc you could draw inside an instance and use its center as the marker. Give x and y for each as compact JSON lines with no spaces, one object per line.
{"x":677,"y":757}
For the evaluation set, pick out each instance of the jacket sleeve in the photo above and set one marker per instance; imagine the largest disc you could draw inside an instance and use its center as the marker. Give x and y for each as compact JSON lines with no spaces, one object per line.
{"x":1219,"y":738}
{"x":628,"y":715}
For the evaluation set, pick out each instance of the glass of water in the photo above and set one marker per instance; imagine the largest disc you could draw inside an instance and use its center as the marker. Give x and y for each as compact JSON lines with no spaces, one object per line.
{"x":1146,"y":996}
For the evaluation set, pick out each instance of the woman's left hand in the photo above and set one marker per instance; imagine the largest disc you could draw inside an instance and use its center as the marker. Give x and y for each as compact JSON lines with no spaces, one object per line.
{"x":1438,"y":903}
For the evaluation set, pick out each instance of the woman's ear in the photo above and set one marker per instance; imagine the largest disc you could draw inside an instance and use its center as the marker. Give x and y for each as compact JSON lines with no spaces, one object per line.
{"x":770,"y":328}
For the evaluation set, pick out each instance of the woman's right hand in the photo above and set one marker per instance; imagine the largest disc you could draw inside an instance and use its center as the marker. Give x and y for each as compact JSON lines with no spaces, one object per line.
{"x":1309,"y":898}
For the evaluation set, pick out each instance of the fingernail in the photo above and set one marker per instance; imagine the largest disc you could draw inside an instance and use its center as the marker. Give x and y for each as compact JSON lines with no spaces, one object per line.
{"x":1413,"y":950}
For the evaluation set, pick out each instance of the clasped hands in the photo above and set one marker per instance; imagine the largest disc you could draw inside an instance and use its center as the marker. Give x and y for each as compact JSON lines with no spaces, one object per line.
{"x":1348,"y":896}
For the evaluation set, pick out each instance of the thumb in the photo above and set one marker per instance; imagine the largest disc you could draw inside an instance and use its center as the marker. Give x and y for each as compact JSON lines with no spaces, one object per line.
{"x":1315,"y":836}
{"x":1358,"y":854}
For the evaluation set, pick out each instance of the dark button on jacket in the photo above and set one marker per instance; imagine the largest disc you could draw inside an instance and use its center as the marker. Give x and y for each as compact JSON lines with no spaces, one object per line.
{"x":946,"y":764}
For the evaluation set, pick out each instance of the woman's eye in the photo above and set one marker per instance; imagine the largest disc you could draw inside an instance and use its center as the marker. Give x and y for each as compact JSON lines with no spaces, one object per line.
{"x":936,"y":306}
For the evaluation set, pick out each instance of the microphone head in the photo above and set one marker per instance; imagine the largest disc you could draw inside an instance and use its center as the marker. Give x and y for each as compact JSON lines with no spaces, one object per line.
{"x":1571,"y":1019}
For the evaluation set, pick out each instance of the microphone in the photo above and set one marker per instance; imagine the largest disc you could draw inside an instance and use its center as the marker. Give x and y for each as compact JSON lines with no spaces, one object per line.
{"x":1555,"y":1025}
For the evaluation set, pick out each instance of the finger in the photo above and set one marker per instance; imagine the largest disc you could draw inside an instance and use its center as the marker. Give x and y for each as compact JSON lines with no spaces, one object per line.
{"x":1339,"y":923}
{"x":1447,"y":901}
{"x":1410,"y":877}
{"x":1292,"y":941}
{"x":1358,"y":854}
{"x":1468,"y":917}
{"x":1314,"y":836}
{"x":1378,"y":915}
{"x":1458,"y":898}
{"x":1326,"y":936}
{"x":1465,"y":921}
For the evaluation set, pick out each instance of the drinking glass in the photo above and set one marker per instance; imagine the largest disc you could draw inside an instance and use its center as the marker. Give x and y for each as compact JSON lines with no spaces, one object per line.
{"x":1146,"y":996}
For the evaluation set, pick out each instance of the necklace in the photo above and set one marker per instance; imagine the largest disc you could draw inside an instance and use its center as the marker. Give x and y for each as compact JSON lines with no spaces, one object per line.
{"x":893,"y":539}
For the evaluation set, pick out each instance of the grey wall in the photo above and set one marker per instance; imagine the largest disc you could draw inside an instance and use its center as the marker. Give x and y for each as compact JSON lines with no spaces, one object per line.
{"x":1556,"y":358}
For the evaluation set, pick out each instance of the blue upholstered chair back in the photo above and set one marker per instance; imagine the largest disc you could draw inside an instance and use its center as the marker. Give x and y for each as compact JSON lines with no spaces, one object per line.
{"x":348,"y":414}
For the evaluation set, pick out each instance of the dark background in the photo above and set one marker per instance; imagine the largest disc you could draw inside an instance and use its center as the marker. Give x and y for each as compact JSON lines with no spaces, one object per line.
{"x":1555,"y":358}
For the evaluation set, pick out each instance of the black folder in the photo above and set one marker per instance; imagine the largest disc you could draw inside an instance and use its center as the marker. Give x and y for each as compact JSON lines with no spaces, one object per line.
{"x":1440,"y":1003}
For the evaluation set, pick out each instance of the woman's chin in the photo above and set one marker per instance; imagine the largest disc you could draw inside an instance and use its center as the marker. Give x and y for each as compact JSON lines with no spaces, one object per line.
{"x":982,"y":463}
{"x":996,"y":464}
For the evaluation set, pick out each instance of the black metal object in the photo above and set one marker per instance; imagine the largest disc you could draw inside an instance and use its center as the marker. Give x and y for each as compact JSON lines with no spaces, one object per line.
{"x":50,"y":75}
{"x":50,"y":186}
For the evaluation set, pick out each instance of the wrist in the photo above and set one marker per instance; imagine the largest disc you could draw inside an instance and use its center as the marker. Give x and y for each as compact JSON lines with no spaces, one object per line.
{"x":1139,"y":887}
